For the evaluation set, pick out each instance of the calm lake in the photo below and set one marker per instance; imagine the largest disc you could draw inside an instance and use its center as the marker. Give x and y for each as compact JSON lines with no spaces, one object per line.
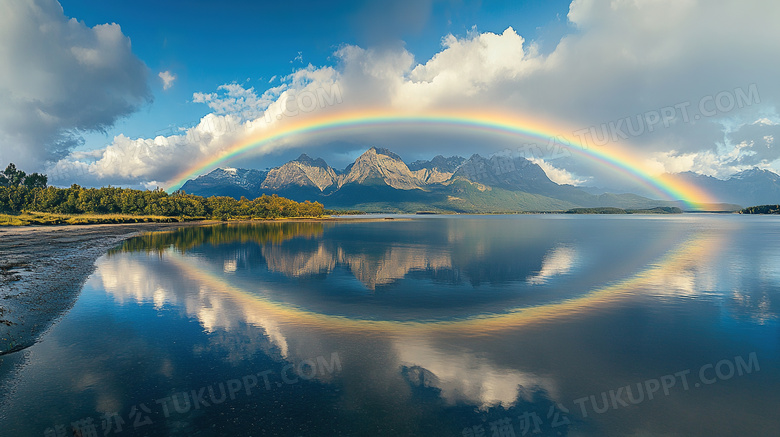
{"x":502,"y":326}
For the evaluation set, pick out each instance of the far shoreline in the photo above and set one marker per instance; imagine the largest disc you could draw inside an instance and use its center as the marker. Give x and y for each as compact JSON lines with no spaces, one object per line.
{"x":33,"y":219}
{"x":87,"y":220}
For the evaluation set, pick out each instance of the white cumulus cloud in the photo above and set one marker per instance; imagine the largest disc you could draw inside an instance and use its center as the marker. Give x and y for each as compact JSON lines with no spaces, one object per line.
{"x":558,"y":175}
{"x":59,"y":77}
{"x":620,"y":59}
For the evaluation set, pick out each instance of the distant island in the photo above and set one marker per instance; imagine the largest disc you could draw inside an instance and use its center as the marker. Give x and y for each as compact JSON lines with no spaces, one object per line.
{"x":27,"y":200}
{"x":761,"y":209}
{"x":656,"y":210}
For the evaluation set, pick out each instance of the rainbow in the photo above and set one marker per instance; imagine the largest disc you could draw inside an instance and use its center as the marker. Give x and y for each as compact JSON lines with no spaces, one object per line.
{"x":254,"y":305}
{"x":610,"y":156}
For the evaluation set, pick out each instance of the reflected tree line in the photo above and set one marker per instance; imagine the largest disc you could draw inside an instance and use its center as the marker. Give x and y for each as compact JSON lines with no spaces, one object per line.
{"x":185,"y":239}
{"x":363,"y":251}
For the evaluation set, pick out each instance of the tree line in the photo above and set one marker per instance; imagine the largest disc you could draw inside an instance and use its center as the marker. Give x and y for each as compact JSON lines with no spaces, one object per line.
{"x":18,"y":195}
{"x":762,"y":209}
{"x":12,"y":177}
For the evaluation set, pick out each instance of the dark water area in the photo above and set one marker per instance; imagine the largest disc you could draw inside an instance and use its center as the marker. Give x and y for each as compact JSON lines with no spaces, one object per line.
{"x":437,"y":325}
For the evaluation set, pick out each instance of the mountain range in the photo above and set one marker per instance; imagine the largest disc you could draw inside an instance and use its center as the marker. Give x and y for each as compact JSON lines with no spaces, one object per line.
{"x":749,"y":187}
{"x":380,"y":181}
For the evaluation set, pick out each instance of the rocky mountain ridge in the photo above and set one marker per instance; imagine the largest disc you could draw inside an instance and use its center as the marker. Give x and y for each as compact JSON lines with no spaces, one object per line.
{"x":380,"y":181}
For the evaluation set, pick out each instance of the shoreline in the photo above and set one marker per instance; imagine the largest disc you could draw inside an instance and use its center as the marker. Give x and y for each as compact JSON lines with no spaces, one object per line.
{"x":43,"y":268}
{"x":46,"y":219}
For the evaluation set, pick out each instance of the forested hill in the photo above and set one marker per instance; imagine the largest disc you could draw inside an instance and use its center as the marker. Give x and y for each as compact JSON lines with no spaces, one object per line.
{"x":762,"y":209}
{"x":20,"y":192}
{"x":110,"y":200}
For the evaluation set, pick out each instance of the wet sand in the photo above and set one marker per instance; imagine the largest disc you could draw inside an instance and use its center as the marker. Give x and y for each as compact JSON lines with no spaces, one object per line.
{"x":42,"y":270}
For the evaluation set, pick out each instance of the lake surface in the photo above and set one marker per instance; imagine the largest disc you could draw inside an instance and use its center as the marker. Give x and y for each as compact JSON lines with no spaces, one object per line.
{"x":455,"y":326}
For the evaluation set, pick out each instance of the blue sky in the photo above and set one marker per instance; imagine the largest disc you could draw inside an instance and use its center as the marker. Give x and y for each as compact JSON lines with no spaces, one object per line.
{"x":81,"y":97}
{"x":206,"y":44}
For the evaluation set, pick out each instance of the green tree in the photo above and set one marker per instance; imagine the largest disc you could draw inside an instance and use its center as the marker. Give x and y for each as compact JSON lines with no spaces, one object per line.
{"x":12,"y":176}
{"x":36,"y":180}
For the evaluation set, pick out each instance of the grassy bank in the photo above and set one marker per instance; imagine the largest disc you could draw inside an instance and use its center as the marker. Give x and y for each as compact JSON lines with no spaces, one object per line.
{"x":43,"y":218}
